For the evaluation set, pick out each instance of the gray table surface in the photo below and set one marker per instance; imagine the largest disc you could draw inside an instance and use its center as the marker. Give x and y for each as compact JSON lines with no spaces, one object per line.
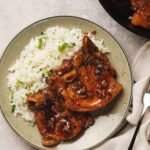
{"x":17,"y":14}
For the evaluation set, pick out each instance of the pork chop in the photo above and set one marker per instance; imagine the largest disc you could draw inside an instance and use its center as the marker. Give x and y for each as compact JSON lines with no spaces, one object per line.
{"x":55,"y":122}
{"x":91,"y":82}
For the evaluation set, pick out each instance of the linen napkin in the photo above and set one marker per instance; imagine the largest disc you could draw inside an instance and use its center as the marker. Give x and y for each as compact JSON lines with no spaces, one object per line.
{"x":141,"y":74}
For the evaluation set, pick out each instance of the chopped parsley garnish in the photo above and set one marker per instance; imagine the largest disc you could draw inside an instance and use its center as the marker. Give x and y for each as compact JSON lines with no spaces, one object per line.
{"x":43,"y":75}
{"x":72,"y":45}
{"x":50,"y":71}
{"x":40,"y":39}
{"x":19,"y":84}
{"x":13,"y":108}
{"x":47,"y":72}
{"x":33,"y":123}
{"x":65,"y":45}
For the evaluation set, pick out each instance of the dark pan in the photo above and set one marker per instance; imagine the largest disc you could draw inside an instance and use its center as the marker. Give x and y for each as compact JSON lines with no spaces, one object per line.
{"x":120,"y":10}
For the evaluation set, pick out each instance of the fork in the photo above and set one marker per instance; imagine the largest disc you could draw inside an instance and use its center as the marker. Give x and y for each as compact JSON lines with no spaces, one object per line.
{"x":146,"y":103}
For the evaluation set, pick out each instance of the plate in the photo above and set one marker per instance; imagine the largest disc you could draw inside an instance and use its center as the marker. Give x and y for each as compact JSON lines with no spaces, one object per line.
{"x":107,"y":124}
{"x":120,"y":10}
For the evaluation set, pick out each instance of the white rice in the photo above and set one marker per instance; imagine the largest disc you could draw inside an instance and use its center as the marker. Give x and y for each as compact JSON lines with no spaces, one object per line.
{"x":37,"y":59}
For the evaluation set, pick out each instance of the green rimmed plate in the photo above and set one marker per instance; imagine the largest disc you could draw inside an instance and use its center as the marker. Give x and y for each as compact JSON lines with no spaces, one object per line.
{"x":105,"y":125}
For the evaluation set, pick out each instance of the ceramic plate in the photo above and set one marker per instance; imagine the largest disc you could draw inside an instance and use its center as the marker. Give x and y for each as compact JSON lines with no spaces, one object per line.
{"x":120,"y":10}
{"x":106,"y":124}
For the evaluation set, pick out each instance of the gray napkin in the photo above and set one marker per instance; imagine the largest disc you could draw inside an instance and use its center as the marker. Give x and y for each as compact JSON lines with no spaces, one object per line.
{"x":141,"y":74}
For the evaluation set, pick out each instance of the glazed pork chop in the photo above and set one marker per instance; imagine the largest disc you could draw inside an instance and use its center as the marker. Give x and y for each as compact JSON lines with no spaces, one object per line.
{"x":55,"y":122}
{"x":90,"y":82}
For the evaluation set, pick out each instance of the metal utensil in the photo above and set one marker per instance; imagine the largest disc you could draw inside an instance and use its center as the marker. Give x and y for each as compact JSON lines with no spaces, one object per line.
{"x":146,"y":103}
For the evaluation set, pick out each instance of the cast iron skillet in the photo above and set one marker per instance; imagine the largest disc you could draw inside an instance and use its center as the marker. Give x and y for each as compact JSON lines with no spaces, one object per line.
{"x":120,"y":10}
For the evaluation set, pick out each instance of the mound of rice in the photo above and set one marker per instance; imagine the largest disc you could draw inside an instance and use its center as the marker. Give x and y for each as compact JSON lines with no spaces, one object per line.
{"x":38,"y":59}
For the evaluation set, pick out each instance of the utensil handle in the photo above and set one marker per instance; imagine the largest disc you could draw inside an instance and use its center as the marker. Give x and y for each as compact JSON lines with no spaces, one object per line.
{"x":135,"y":134}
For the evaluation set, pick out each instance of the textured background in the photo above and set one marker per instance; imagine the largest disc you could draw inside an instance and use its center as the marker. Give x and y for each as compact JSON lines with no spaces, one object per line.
{"x":17,"y":14}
